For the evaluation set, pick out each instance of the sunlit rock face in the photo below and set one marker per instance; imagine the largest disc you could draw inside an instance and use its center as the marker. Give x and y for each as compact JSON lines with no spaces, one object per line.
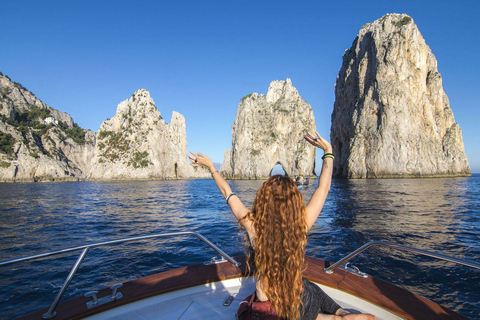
{"x":269,"y":130}
{"x":138,"y":144}
{"x":38,"y":142}
{"x":391,"y":117}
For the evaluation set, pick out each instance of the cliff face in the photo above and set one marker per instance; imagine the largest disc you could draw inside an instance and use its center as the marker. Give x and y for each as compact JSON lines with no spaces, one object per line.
{"x":391,"y":117}
{"x":269,"y":130}
{"x":138,"y":144}
{"x":38,"y":142}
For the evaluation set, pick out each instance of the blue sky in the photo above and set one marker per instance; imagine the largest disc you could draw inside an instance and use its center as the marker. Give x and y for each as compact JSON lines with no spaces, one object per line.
{"x":201,"y":57}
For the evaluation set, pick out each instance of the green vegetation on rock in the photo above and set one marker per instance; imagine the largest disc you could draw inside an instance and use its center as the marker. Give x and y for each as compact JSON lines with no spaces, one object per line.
{"x":114,"y":144}
{"x":5,"y":91}
{"x":29,"y":118}
{"x":404,"y":21}
{"x":34,"y":155}
{"x":139,"y":160}
{"x":76,"y":133}
{"x":32,"y":120}
{"x":4,"y":164}
{"x":254,"y":152}
{"x":42,"y":128}
{"x":6,"y":143}
{"x":247,"y":96}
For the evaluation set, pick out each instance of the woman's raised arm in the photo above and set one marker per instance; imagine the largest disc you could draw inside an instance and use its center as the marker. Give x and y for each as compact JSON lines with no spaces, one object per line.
{"x":315,"y":205}
{"x":238,"y":208}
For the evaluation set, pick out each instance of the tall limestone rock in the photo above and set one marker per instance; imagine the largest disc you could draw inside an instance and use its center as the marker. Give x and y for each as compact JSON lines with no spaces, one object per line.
{"x":38,"y":142}
{"x":138,"y":144}
{"x":269,"y":130}
{"x":391,"y":117}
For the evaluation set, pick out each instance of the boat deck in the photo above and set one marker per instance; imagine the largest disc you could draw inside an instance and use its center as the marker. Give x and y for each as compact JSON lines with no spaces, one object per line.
{"x":206,"y":302}
{"x":198,"y":292}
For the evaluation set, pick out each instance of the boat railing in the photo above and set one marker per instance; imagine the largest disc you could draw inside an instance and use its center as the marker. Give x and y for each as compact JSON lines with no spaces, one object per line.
{"x":440,"y":256}
{"x":51,"y":311}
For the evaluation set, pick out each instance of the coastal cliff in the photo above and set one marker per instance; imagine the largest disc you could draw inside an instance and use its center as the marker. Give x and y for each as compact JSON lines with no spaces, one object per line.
{"x":40,"y":143}
{"x":391,"y":117}
{"x":268,"y":130}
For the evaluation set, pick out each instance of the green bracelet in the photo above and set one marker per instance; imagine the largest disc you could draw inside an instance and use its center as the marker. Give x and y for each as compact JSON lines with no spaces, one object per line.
{"x":328,"y":155}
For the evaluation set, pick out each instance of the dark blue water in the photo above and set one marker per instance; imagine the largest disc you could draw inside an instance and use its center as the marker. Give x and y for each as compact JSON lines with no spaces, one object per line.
{"x":441,"y":215}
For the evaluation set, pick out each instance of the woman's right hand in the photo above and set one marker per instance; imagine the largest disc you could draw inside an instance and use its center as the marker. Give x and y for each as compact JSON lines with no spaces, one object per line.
{"x":200,"y":160}
{"x":318,"y":142}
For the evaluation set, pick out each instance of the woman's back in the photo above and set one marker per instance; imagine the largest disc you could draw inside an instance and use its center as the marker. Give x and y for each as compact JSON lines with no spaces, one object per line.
{"x":279,"y":236}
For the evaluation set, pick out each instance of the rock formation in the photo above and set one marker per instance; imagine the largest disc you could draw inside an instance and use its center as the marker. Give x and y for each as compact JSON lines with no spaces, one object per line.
{"x":269,"y":130}
{"x":137,"y":144}
{"x":391,"y":117}
{"x":38,"y":142}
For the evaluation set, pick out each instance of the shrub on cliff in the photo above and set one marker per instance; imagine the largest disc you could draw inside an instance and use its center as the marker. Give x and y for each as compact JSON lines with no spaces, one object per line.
{"x":76,"y":133}
{"x":6,"y":143}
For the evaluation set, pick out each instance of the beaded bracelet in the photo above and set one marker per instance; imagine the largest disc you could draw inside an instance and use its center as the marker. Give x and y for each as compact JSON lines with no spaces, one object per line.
{"x":328,"y":155}
{"x":214,"y":172}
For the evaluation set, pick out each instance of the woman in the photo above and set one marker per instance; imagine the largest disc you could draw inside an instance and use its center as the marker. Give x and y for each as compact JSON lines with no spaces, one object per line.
{"x":277,"y":226}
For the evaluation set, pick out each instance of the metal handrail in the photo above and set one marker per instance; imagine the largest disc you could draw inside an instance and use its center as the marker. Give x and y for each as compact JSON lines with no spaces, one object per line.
{"x":400,"y":247}
{"x":51,"y":311}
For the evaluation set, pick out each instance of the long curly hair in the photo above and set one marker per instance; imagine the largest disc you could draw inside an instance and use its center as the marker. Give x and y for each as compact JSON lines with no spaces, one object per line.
{"x":279,"y":219}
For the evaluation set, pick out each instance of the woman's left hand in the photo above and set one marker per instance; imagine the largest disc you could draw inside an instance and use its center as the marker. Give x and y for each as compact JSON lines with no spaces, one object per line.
{"x":317,"y":141}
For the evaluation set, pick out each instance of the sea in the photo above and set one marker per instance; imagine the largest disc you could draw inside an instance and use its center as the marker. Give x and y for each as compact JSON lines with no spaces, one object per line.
{"x":439,"y":214}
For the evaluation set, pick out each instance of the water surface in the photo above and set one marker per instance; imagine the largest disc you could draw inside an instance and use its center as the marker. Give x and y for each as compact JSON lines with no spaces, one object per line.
{"x":440,"y":215}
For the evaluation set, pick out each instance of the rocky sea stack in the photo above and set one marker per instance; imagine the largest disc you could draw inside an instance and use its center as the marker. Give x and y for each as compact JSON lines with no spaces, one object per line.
{"x":391,"y":117}
{"x":138,"y":144}
{"x":268,"y":130}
